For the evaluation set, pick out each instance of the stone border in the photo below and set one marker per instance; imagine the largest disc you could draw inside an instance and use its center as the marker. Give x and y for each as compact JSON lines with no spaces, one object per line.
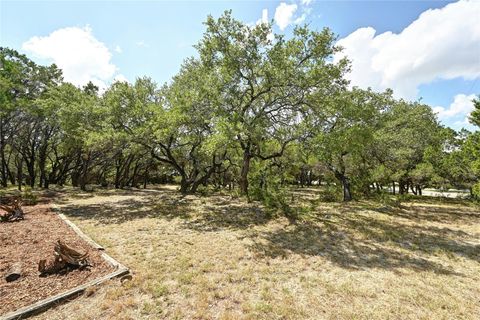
{"x":44,"y":304}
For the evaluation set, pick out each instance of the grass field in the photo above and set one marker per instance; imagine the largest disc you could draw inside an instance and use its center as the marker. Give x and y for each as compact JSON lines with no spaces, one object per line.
{"x":218,"y":257}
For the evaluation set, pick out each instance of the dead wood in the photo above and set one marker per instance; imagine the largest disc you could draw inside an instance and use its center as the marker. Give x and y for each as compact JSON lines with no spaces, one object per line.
{"x":65,"y":258}
{"x":13,"y":212}
{"x":14,"y":272}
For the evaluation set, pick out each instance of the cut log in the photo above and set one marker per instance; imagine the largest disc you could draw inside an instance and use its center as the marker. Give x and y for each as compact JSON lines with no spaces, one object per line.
{"x":14,"y":272}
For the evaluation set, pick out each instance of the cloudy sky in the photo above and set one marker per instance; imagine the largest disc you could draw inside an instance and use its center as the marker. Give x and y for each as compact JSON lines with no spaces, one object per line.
{"x":427,"y":50}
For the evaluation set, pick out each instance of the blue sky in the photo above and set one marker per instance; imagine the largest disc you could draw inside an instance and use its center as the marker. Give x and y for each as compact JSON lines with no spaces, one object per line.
{"x":434,"y":56}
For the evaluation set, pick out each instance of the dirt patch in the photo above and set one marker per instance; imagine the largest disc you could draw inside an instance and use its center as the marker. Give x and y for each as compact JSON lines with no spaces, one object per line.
{"x":30,"y":240}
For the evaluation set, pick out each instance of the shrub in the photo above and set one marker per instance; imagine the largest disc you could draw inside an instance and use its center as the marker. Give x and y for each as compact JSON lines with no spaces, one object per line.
{"x":387,"y":199}
{"x":331,"y":193}
{"x":29,"y":198}
{"x":476,"y":191}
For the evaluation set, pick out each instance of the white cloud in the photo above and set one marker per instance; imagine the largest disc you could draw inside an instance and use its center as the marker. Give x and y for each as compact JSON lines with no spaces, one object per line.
{"x":264,"y":18}
{"x":300,"y":19}
{"x":120,"y":78}
{"x":284,"y":15}
{"x":142,"y":43}
{"x":306,"y":2}
{"x":118,"y":49}
{"x":461,"y":106}
{"x":441,"y":44}
{"x":462,"y":124}
{"x":77,"y":52}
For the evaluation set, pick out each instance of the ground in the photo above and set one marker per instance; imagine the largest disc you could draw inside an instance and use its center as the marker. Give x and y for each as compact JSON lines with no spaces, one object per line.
{"x":218,"y":257}
{"x":31,"y":240}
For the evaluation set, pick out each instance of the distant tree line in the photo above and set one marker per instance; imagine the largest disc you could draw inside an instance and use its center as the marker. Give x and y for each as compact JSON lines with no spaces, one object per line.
{"x":251,"y":112}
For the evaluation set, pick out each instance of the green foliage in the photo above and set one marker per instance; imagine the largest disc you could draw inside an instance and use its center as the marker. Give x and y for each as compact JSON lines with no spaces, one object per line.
{"x":475,"y":115}
{"x":387,"y":199}
{"x":331,"y":193}
{"x":29,"y":198}
{"x":265,"y":83}
{"x":254,"y":108}
{"x":267,"y":187}
{"x":476,"y":191}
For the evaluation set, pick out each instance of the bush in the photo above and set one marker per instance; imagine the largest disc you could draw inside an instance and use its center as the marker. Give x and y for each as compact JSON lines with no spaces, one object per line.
{"x":29,"y":198}
{"x":404,"y":198}
{"x":331,"y":194}
{"x":476,"y":191}
{"x":274,"y":197}
{"x":387,"y":199}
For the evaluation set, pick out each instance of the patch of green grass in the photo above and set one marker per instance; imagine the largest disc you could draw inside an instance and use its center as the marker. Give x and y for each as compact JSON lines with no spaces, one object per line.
{"x":159,"y":290}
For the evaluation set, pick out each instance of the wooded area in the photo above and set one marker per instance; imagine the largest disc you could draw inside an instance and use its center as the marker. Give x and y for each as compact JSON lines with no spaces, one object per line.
{"x":250,"y":111}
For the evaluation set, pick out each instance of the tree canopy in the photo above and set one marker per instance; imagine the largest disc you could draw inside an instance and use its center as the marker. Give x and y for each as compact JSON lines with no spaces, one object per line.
{"x":254,"y":110}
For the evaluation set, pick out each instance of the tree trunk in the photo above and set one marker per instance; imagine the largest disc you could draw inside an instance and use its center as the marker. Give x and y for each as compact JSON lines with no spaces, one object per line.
{"x":393,"y":187}
{"x":75,"y":178}
{"x":31,"y":171}
{"x":20,"y":173}
{"x":401,"y":187}
{"x":42,"y":159}
{"x":117,"y":172}
{"x":83,"y":175}
{"x":244,"y":173}
{"x":126,"y":172}
{"x":347,"y":194}
{"x":184,"y":185}
{"x":145,"y":178}
{"x":195,"y":185}
{"x":413,"y":189}
{"x":3,"y":164}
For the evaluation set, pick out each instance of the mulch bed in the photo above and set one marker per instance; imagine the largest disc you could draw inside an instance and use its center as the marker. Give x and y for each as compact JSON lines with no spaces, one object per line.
{"x":30,"y":240}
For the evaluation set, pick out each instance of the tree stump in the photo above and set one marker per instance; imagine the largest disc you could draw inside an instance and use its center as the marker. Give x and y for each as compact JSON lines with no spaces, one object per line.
{"x":64,"y":257}
{"x":12,"y":213}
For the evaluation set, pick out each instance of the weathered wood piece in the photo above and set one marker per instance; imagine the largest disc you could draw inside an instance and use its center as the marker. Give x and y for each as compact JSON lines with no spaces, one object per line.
{"x":14,"y":272}
{"x":11,"y":212}
{"x":64,"y":257}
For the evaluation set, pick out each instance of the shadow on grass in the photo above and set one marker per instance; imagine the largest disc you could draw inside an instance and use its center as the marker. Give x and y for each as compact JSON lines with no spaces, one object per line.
{"x":232,"y":217}
{"x":357,"y":241}
{"x":220,"y":213}
{"x":434,"y":213}
{"x":354,"y":237}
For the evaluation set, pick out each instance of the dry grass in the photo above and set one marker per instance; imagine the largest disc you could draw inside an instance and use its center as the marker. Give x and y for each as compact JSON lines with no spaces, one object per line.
{"x":221,"y":258}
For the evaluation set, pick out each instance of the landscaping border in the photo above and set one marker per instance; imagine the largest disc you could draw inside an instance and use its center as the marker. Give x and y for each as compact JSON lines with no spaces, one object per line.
{"x":44,"y":304}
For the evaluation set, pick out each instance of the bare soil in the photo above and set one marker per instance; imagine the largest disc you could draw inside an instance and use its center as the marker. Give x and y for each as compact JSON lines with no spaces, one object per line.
{"x":31,"y":240}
